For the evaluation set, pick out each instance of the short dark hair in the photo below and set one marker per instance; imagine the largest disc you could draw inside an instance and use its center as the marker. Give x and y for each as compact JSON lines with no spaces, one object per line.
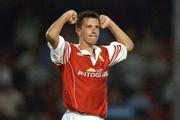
{"x":86,"y":14}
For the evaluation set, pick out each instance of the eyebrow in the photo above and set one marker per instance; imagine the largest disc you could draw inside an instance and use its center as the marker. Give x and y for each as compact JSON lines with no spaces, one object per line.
{"x":92,"y":25}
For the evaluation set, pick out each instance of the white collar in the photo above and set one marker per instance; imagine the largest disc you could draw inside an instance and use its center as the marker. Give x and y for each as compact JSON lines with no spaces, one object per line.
{"x":85,"y":52}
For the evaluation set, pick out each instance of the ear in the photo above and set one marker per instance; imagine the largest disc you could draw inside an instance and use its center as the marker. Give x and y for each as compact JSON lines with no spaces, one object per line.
{"x":78,"y":31}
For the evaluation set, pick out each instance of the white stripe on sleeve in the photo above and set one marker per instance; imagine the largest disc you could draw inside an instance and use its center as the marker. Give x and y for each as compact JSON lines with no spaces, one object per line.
{"x":117,"y":52}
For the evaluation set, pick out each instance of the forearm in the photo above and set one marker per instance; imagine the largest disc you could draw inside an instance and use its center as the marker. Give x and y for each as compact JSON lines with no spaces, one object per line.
{"x":54,"y":30}
{"x":120,"y":36}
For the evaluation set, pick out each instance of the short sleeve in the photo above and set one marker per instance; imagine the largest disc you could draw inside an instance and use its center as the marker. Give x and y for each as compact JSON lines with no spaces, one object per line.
{"x":117,"y":52}
{"x":61,"y":53}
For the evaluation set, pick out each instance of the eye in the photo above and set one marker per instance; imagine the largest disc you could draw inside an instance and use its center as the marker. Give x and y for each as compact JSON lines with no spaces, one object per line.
{"x":89,"y":26}
{"x":97,"y":26}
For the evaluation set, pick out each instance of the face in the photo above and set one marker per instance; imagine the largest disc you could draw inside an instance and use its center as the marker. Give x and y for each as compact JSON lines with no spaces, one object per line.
{"x":89,"y":31}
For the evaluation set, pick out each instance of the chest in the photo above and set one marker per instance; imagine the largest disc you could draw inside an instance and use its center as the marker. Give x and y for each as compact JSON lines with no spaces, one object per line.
{"x":83,"y":65}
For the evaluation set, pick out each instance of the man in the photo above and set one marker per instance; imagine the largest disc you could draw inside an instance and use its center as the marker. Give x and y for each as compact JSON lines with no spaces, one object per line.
{"x":84,"y":66}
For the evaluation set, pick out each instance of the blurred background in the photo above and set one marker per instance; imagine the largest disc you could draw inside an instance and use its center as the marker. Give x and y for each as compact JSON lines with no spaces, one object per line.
{"x":140,"y":88}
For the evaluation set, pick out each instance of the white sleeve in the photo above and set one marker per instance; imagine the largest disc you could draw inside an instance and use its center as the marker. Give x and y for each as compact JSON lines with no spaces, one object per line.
{"x":117,"y":52}
{"x":61,"y":53}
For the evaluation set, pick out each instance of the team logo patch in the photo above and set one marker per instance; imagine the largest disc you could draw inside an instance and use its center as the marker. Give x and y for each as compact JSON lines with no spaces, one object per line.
{"x":91,"y":72}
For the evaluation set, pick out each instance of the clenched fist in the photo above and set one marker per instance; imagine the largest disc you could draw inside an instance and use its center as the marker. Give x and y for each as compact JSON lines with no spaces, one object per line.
{"x":72,"y":16}
{"x":104,"y":21}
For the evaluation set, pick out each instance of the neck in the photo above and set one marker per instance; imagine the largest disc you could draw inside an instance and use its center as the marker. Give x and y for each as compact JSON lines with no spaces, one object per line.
{"x":85,"y":46}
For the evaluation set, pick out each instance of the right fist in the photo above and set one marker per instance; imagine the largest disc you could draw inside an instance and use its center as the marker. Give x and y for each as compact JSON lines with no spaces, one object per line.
{"x":72,"y":16}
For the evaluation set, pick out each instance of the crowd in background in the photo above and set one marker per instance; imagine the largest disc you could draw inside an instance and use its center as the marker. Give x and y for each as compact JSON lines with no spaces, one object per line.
{"x":140,"y":88}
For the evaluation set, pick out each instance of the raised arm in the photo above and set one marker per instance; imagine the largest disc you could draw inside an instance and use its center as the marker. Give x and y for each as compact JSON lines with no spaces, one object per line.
{"x":54,"y":30}
{"x":120,"y":36}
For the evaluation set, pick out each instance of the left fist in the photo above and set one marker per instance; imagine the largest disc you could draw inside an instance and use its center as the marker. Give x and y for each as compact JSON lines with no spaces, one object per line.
{"x":104,"y":21}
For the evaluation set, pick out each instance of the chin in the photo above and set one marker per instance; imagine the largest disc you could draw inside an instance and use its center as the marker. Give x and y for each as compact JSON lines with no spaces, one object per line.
{"x":93,"y":43}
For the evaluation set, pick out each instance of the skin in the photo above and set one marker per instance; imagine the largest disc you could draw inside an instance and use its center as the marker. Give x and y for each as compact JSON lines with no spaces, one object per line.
{"x":89,"y":32}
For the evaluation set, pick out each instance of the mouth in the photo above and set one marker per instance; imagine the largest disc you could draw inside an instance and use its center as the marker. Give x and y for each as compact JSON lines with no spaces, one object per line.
{"x":93,"y":36}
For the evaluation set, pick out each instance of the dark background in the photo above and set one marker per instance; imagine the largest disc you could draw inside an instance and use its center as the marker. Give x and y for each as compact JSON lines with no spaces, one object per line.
{"x":140,"y":88}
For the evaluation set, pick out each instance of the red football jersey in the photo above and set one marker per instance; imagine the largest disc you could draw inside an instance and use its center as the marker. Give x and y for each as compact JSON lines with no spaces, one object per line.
{"x":85,"y":78}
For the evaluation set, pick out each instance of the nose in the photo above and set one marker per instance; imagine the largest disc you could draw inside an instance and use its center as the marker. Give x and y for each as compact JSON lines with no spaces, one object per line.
{"x":94,"y":30}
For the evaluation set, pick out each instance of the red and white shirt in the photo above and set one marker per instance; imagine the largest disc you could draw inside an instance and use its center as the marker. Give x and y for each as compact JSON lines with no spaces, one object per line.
{"x":85,"y":77}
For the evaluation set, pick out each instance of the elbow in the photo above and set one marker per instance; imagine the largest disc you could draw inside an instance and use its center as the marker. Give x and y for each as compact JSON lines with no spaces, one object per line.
{"x":50,"y":36}
{"x":130,"y":46}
